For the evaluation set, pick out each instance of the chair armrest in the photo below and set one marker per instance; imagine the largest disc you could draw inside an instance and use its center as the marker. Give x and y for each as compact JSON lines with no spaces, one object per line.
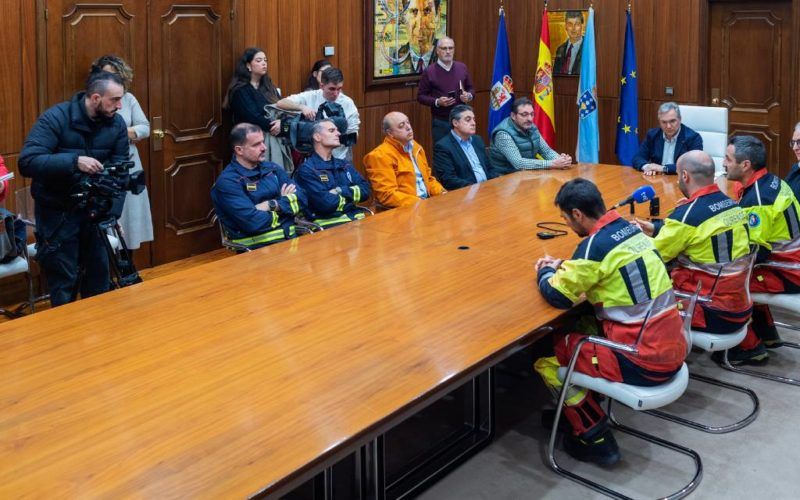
{"x":617,"y":346}
{"x":684,"y":295}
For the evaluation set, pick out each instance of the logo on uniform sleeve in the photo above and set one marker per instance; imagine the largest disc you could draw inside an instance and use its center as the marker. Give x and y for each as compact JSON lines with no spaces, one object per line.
{"x":754,"y":220}
{"x":251,"y":186}
{"x":323,"y":177}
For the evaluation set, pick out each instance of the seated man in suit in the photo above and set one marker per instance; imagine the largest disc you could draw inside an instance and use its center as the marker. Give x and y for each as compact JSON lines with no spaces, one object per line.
{"x":459,"y":158}
{"x":333,"y":187}
{"x":256,"y":201}
{"x":398,"y":169}
{"x":664,"y":145}
{"x":516,"y":143}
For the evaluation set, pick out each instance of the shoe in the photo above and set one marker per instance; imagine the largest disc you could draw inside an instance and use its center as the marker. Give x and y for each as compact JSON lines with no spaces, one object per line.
{"x":773,"y":343}
{"x":757,"y":356}
{"x":549,"y":416}
{"x":602,"y":450}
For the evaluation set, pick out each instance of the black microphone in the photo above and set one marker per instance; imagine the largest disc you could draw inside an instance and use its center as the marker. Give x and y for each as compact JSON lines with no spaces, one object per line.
{"x":641,"y":195}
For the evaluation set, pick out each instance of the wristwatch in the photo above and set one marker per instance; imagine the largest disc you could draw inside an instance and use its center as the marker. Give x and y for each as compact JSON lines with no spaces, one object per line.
{"x":273,"y":205}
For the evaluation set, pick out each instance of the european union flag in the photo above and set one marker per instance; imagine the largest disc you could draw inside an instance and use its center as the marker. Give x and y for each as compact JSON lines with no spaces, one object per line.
{"x":628,"y":119}
{"x":501,"y":94}
{"x":588,"y":150}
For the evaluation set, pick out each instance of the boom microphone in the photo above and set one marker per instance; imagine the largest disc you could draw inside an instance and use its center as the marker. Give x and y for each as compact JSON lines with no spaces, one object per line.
{"x":641,"y":195}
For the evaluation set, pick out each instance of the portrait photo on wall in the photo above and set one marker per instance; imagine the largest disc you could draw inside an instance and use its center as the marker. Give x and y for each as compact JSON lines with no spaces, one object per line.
{"x":567,"y":28}
{"x":400,"y":36}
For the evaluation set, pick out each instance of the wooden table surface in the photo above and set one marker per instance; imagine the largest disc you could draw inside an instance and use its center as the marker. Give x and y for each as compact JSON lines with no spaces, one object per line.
{"x":245,"y":375}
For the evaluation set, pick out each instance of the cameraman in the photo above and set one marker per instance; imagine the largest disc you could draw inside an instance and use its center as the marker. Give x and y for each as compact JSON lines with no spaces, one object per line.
{"x":308,"y":103}
{"x":69,"y":141}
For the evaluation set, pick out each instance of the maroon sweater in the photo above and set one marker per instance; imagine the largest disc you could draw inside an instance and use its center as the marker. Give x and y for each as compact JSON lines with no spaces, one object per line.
{"x":437,"y":82}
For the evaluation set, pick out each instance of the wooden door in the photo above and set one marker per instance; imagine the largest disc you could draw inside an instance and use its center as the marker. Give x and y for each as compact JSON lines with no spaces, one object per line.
{"x":190,"y":64}
{"x":77,"y":33}
{"x":749,"y":72}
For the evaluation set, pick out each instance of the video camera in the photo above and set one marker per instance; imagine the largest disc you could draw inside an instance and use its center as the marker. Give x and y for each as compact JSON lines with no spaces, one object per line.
{"x":298,"y":131}
{"x":102,"y":195}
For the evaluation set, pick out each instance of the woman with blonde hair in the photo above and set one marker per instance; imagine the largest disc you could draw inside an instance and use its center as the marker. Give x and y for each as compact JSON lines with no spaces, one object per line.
{"x":136,"y":220}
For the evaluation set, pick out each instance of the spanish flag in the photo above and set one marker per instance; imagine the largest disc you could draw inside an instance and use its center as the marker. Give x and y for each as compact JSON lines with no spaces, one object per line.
{"x":544,"y":116}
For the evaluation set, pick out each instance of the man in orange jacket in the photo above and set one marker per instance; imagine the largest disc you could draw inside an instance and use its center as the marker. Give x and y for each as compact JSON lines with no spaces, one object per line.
{"x":398,"y":169}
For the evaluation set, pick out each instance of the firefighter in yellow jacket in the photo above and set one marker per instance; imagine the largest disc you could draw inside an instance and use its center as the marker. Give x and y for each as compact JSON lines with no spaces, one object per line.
{"x":706,"y":239}
{"x":772,"y":213}
{"x":621,"y":274}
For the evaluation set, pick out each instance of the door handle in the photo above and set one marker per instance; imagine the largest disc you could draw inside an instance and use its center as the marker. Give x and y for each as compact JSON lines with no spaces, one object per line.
{"x":158,"y":134}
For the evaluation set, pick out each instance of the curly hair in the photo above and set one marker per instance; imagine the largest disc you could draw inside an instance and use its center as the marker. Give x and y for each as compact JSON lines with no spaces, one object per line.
{"x":120,"y":67}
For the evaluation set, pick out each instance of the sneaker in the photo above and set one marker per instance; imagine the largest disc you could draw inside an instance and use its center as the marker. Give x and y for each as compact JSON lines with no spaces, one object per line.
{"x":757,"y":356}
{"x":602,"y":450}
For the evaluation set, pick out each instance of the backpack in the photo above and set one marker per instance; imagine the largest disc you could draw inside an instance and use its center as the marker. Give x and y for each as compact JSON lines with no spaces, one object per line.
{"x":13,"y":236}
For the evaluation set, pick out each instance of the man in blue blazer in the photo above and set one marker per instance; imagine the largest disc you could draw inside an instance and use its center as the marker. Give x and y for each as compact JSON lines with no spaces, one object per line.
{"x":662,"y":146}
{"x":459,"y":158}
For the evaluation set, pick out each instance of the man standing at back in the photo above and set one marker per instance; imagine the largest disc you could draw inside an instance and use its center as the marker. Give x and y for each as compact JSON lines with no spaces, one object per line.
{"x":308,"y":103}
{"x":443,"y":85}
{"x":68,"y":142}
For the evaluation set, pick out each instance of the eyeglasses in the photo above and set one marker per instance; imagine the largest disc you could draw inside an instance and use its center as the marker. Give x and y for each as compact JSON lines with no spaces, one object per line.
{"x":794,"y":144}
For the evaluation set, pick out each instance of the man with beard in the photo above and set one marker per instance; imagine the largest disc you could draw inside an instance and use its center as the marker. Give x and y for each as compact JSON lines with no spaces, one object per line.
{"x":68,"y":142}
{"x":444,"y":85}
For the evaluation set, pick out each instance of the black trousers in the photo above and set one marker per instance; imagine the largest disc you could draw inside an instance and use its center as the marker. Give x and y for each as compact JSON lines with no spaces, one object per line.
{"x":439,"y":129}
{"x":67,"y":242}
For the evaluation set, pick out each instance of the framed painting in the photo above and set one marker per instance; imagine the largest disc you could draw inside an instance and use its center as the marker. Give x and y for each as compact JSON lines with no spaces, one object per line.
{"x":400,"y":38}
{"x":567,"y":28}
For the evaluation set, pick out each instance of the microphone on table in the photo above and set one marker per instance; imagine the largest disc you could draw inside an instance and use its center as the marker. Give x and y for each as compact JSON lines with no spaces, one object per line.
{"x":641,"y":195}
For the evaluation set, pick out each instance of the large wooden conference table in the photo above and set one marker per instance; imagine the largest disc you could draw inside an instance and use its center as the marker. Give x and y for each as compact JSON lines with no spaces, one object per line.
{"x":249,"y":375}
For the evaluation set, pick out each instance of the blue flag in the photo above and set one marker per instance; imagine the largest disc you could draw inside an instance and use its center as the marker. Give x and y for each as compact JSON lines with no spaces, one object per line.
{"x":501,"y":94}
{"x":588,"y":150}
{"x":628,"y":119}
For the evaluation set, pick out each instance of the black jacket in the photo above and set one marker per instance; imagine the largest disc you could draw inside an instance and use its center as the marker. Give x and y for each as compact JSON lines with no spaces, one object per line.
{"x":62,"y":134}
{"x":793,"y":180}
{"x":652,"y":148}
{"x":451,"y":166}
{"x":247,"y":105}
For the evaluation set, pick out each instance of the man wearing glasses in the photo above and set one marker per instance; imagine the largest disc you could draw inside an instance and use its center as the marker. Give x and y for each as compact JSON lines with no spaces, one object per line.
{"x":443,"y":85}
{"x":516,"y":142}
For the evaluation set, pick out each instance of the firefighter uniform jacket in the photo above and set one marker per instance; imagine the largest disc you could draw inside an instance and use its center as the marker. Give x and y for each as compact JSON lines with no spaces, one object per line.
{"x":622,"y":275}
{"x":318,"y":177}
{"x":238,"y":190}
{"x":706,"y":236}
{"x":772,"y":215}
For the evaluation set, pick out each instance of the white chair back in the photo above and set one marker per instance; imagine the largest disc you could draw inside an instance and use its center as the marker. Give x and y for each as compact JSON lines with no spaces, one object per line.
{"x":712,"y":125}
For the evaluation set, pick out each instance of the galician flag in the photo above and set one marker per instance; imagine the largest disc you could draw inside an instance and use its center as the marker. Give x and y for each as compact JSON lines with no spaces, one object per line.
{"x":501,"y":94}
{"x":628,"y":119}
{"x":543,"y":108}
{"x":588,"y":150}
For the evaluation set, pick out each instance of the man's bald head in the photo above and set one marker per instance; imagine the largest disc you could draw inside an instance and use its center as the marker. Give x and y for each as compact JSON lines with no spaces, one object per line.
{"x":699,"y":165}
{"x":397,"y":126}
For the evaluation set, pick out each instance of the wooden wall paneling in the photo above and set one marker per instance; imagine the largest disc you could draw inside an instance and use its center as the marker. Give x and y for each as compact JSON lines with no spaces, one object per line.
{"x":11,"y":91}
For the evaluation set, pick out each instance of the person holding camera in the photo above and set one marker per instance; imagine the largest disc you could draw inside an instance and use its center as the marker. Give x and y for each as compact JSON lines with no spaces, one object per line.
{"x":308,"y":103}
{"x":443,"y":85}
{"x":69,"y":142}
{"x":256,"y":200}
{"x":333,"y":186}
{"x":136,"y":218}
{"x":249,"y":93}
